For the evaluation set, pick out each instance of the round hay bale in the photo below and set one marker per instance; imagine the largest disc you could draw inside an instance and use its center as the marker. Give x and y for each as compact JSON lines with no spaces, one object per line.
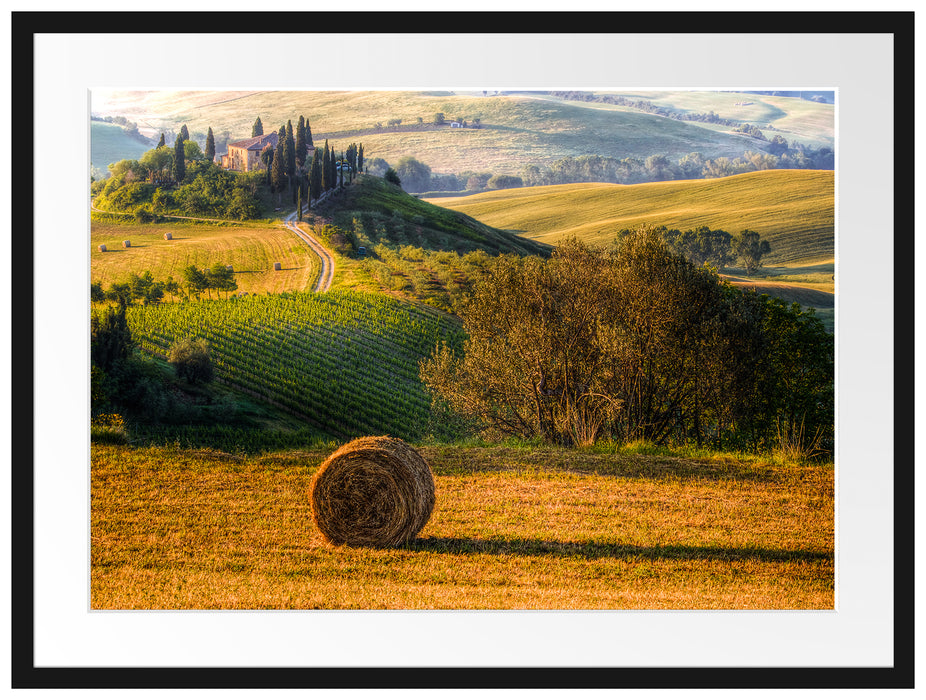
{"x":103,"y":248}
{"x":168,"y":236}
{"x":373,"y":491}
{"x":277,"y":266}
{"x":126,"y":244}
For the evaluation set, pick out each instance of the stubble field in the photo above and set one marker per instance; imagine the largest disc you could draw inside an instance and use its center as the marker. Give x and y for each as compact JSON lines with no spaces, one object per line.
{"x":513,"y":528}
{"x":251,"y":250}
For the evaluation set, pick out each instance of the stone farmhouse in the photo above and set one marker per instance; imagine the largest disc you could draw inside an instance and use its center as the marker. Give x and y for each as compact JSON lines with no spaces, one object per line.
{"x":244,"y":155}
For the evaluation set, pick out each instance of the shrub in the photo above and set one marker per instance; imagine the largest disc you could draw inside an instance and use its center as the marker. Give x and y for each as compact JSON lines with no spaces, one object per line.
{"x":393,"y":177}
{"x":190,"y":358}
{"x":144,"y":215}
{"x":108,"y":428}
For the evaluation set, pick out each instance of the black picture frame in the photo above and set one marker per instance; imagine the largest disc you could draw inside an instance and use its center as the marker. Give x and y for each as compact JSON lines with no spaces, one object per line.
{"x":26,"y":674}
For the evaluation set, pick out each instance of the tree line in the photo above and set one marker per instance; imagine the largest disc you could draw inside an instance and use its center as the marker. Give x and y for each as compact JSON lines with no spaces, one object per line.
{"x":418,"y":177}
{"x":633,"y":342}
{"x":713,"y":247}
{"x":144,"y":289}
{"x":289,"y":169}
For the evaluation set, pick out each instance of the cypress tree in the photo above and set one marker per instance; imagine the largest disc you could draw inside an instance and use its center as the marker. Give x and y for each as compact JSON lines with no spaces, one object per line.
{"x":277,"y":171}
{"x":308,"y":134}
{"x":301,"y":148}
{"x":179,"y":169}
{"x":161,"y":142}
{"x":360,"y":158}
{"x":266,"y":157}
{"x":210,"y":146}
{"x":257,"y":129}
{"x":290,"y":152}
{"x":185,"y":133}
{"x":333,"y":169}
{"x":326,"y":168}
{"x":315,"y":176}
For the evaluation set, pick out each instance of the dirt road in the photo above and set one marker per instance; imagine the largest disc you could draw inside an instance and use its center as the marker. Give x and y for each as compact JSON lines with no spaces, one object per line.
{"x":327,"y":272}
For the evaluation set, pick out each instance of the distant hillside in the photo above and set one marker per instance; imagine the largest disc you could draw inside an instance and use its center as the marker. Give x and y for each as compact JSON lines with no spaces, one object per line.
{"x":515,"y":129}
{"x":809,"y":122}
{"x":110,"y":143}
{"x":792,"y":209}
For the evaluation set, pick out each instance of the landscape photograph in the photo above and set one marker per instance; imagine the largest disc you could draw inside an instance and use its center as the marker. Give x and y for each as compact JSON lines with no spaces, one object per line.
{"x":462,"y":348}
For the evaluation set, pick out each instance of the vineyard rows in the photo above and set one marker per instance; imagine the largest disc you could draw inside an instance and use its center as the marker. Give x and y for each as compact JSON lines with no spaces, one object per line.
{"x":348,"y":361}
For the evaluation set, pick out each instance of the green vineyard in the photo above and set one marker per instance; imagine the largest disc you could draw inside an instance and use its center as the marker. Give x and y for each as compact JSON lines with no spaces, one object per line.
{"x":345,"y":362}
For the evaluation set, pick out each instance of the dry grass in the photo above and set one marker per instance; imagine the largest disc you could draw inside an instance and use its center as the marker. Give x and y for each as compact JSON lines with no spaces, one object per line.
{"x":513,"y":528}
{"x":251,"y":249}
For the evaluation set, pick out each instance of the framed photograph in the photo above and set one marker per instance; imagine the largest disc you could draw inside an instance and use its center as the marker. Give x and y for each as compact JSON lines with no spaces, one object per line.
{"x":597,"y":543}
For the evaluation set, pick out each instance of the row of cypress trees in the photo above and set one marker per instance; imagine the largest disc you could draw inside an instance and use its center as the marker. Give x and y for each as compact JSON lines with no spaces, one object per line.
{"x":289,"y":168}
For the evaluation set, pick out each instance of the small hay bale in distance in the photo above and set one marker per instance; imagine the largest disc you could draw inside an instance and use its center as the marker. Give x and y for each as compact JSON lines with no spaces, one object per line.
{"x":277,"y":266}
{"x":102,"y":247}
{"x":374,"y":492}
{"x":168,"y":236}
{"x":126,"y":244}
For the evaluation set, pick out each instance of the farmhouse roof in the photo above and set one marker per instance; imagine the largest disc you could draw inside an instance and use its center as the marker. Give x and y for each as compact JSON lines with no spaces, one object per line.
{"x":257,"y":143}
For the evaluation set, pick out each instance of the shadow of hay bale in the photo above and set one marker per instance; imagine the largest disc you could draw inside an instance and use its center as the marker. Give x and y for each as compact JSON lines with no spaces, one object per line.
{"x":373,"y":491}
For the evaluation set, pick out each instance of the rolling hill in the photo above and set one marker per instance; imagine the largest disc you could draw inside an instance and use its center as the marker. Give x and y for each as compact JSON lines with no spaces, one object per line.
{"x":372,"y":209}
{"x":792,"y":209}
{"x":515,"y":128}
{"x":109,"y":143}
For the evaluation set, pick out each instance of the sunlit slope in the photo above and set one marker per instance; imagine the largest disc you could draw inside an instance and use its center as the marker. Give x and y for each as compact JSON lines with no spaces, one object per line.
{"x":792,"y":209}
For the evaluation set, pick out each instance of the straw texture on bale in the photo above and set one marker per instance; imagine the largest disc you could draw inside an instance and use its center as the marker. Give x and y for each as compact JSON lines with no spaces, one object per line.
{"x":373,"y":491}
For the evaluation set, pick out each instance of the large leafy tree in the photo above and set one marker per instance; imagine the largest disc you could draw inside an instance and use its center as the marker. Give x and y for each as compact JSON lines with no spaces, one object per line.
{"x":191,"y":360}
{"x":636,"y":343}
{"x":194,"y":281}
{"x":750,"y":248}
{"x":415,"y":175}
{"x":110,"y":338}
{"x":220,"y":278}
{"x":159,"y":163}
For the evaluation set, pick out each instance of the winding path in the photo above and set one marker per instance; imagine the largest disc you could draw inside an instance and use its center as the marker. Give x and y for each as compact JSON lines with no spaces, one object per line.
{"x":323,"y":283}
